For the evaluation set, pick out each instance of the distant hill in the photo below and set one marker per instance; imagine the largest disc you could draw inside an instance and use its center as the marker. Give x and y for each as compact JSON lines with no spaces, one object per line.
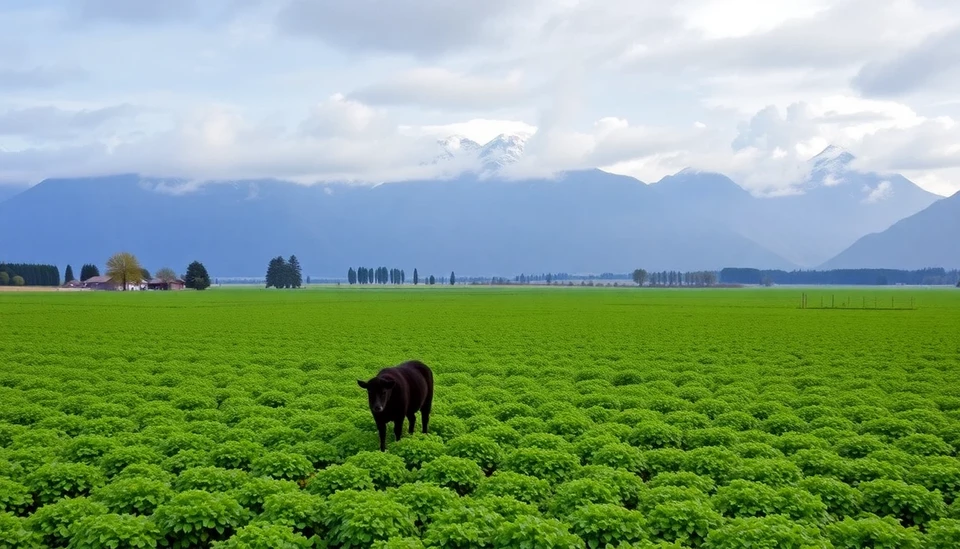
{"x":586,"y":221}
{"x":476,"y":224}
{"x":9,"y":190}
{"x":930,"y":238}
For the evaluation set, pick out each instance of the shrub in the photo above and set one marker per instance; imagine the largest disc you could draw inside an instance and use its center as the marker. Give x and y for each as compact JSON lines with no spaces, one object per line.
{"x":841,"y":499}
{"x":664,"y":460}
{"x":687,"y":522}
{"x":569,"y":424}
{"x":738,"y":421}
{"x":56,"y":480}
{"x":524,"y":488}
{"x":571,"y":495}
{"x":282,"y":465}
{"x":553,"y":466}
{"x":133,"y":496}
{"x":417,"y":450}
{"x":264,"y":536}
{"x":537,"y":532}
{"x":15,"y":498}
{"x":599,"y":524}
{"x":943,"y":476}
{"x":620,"y":456}
{"x":459,"y":474}
{"x":774,"y":472}
{"x":118,"y":458}
{"x":859,"y":446}
{"x":114,"y":530}
{"x":483,"y":451}
{"x":385,"y":470}
{"x":253,"y":494}
{"x":818,"y":462}
{"x":656,"y":434}
{"x":801,"y":506}
{"x":295,"y":509}
{"x":744,"y":498}
{"x":683,"y":479}
{"x":710,"y":436}
{"x":464,"y":526}
{"x":424,"y":500}
{"x":872,"y":531}
{"x":235,"y":454}
{"x":942,"y":534}
{"x":628,"y":485}
{"x":356,"y":519}
{"x":13,"y":533}
{"x":714,"y":462}
{"x":924,"y":445}
{"x":87,"y":448}
{"x":339,"y":477}
{"x":504,"y":435}
{"x":194,"y":517}
{"x":53,"y":521}
{"x":774,"y":532}
{"x":545,"y":441}
{"x":910,"y":503}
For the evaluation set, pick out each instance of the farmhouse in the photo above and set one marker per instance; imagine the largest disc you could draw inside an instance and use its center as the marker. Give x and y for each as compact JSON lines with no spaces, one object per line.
{"x":157,"y":284}
{"x":103,"y":282}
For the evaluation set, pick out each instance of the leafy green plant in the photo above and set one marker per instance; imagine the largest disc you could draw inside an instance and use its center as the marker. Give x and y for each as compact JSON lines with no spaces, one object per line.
{"x":133,"y":495}
{"x":872,"y":531}
{"x":530,"y":531}
{"x":295,"y":509}
{"x":686,"y":521}
{"x":417,"y":450}
{"x":356,"y":519}
{"x":114,"y":530}
{"x":525,"y":488}
{"x":910,"y":503}
{"x":282,"y":465}
{"x":210,"y":479}
{"x":571,"y":495}
{"x":15,"y":498}
{"x":339,"y":477}
{"x":774,"y":531}
{"x":386,"y":470}
{"x":600,"y":524}
{"x":459,"y":474}
{"x":551,"y":465}
{"x":56,"y":480}
{"x":14,"y":534}
{"x":195,"y":517}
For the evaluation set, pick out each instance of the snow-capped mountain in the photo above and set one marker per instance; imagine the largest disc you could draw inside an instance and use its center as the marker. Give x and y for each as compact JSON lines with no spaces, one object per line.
{"x":500,"y":151}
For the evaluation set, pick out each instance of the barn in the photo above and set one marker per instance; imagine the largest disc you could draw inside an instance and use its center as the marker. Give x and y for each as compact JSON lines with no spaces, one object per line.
{"x":157,"y":284}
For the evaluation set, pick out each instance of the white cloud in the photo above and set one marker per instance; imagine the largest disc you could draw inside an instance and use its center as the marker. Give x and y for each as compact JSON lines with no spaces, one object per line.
{"x":882,"y":191}
{"x":362,"y":89}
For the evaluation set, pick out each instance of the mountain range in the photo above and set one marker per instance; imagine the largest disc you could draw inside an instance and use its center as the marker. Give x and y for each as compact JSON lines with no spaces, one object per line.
{"x":477,"y":223}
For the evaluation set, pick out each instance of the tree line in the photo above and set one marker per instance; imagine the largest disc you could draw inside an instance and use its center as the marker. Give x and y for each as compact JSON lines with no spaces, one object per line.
{"x":845,"y":277}
{"x":383,"y":275}
{"x":674,"y":278}
{"x":29,"y":274}
{"x":282,"y":273}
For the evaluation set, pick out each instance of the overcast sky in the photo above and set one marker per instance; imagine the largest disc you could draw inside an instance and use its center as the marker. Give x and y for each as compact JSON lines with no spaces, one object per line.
{"x":361,"y":89}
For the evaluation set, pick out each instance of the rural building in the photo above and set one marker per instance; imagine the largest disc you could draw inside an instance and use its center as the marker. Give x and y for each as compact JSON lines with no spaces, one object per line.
{"x":103,"y":282}
{"x":157,"y":284}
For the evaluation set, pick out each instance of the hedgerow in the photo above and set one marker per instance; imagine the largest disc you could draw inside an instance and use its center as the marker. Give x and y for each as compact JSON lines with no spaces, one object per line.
{"x":621,"y":429}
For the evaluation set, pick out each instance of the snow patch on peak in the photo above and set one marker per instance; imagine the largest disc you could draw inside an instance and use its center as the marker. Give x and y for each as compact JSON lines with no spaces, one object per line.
{"x":500,"y":151}
{"x":832,"y":158}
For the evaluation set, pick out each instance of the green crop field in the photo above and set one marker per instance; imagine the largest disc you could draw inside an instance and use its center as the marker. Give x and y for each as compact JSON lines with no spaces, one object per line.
{"x":563,"y":417}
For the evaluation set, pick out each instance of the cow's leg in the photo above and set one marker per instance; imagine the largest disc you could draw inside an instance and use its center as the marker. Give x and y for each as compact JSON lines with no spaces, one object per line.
{"x":398,"y":428}
{"x":413,"y":421}
{"x":382,"y":431}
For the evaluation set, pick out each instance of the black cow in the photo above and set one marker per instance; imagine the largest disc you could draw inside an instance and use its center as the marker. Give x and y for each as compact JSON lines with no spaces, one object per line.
{"x":397,"y":393}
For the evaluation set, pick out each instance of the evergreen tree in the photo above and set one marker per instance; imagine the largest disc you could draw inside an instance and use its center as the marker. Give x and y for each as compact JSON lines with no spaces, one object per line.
{"x":416,"y":277}
{"x":294,"y":272}
{"x":453,"y":278}
{"x":68,"y":275}
{"x":145,"y":274}
{"x":403,"y":277}
{"x":4,"y":278}
{"x":308,"y":280}
{"x":88,"y":271}
{"x":351,"y":276}
{"x":197,"y":276}
{"x":432,"y":280}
